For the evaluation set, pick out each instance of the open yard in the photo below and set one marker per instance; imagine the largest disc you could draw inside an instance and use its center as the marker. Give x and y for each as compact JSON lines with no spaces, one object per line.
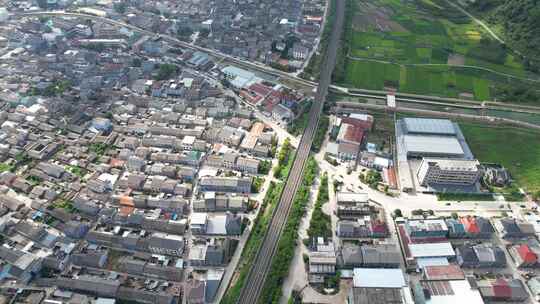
{"x":518,"y":150}
{"x":425,"y":47}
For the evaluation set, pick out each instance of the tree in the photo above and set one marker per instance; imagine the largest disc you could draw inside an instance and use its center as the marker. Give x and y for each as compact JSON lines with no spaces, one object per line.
{"x":120,"y":7}
{"x":536,"y":196}
{"x":264,"y":166}
{"x":42,"y":4}
{"x":136,"y":62}
{"x":166,"y":71}
{"x":184,"y":32}
{"x":204,"y":33}
{"x":398,"y":213}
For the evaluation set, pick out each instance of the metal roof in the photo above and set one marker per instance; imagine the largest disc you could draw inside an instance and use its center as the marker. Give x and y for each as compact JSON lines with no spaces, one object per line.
{"x":429,"y":126}
{"x":379,"y":278}
{"x":432,"y":145}
{"x":431,"y":250}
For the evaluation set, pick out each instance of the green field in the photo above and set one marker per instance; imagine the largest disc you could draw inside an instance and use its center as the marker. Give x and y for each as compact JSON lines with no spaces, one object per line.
{"x":424,"y":47}
{"x":518,"y":150}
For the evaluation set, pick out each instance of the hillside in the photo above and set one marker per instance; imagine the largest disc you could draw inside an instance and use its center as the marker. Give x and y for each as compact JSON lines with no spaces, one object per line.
{"x":520,"y":22}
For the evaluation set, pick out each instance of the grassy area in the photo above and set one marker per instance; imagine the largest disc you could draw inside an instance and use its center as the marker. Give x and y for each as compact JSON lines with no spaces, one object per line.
{"x":76,"y":170}
{"x":64,"y":204}
{"x":320,"y":224}
{"x":464,"y":197}
{"x":285,"y":160}
{"x":98,"y":148}
{"x":424,"y":47}
{"x":260,"y":226}
{"x":287,"y":243}
{"x":5,"y":167}
{"x":383,"y":131}
{"x":264,"y":167}
{"x":516,"y":149}
{"x":297,"y":126}
{"x":257,"y":184}
{"x":321,"y":133}
{"x":34,"y":180}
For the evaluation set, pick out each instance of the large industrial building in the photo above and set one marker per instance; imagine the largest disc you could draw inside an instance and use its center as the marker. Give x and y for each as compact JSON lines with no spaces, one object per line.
{"x":433,"y":156}
{"x":426,"y":137}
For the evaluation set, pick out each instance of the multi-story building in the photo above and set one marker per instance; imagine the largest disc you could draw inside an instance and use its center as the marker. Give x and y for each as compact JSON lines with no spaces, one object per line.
{"x":450,"y":172}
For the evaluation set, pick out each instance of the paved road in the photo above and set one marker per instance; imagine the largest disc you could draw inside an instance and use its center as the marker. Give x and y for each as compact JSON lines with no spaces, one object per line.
{"x":240,"y":62}
{"x":353,"y":107}
{"x":255,"y":282}
{"x":261,"y":67}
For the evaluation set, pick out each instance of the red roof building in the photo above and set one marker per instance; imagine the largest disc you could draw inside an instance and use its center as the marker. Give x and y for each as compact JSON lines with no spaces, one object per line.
{"x":445,"y":272}
{"x":501,"y":289}
{"x":260,"y":89}
{"x":353,"y":130}
{"x":527,"y":256}
{"x":470,"y":224}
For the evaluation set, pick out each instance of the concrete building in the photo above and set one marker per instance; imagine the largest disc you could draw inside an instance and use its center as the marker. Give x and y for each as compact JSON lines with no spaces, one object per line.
{"x":449,"y":171}
{"x":379,"y":286}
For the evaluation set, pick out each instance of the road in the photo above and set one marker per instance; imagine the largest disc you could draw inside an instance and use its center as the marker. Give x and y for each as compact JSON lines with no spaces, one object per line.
{"x":477,"y":21}
{"x":290,"y":77}
{"x":255,"y":282}
{"x":174,"y":41}
{"x":353,"y":107}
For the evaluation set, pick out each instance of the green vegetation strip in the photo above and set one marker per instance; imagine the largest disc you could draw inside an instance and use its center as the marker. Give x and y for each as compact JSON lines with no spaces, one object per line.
{"x":5,"y":167}
{"x":321,"y":132}
{"x":285,"y":160}
{"x":260,"y":226}
{"x":320,"y":224}
{"x":299,"y":124}
{"x":464,"y":197}
{"x":287,"y":243}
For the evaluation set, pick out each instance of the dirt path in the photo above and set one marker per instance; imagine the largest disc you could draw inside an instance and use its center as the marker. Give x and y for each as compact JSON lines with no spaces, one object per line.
{"x":476,"y":20}
{"x":447,"y":65}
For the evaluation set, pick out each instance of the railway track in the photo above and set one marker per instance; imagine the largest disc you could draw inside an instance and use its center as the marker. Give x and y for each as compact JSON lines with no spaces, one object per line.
{"x":255,"y":282}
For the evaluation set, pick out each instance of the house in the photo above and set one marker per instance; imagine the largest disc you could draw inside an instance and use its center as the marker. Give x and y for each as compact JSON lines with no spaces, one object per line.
{"x":195,"y":291}
{"x":353,"y":205}
{"x":511,"y":228}
{"x":351,"y":256}
{"x":426,"y":254}
{"x":198,"y":223}
{"x":23,"y":266}
{"x":282,"y":113}
{"x":247,"y":165}
{"x":365,"y":227}
{"x":526,"y":254}
{"x":477,"y":227}
{"x":511,"y":290}
{"x":169,"y":244}
{"x":456,"y":229}
{"x":226,"y":184}
{"x":379,"y":286}
{"x":381,"y":256}
{"x":480,"y":256}
{"x":426,"y":229}
{"x":322,"y":263}
{"x":534,"y":287}
{"x":445,"y":284}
